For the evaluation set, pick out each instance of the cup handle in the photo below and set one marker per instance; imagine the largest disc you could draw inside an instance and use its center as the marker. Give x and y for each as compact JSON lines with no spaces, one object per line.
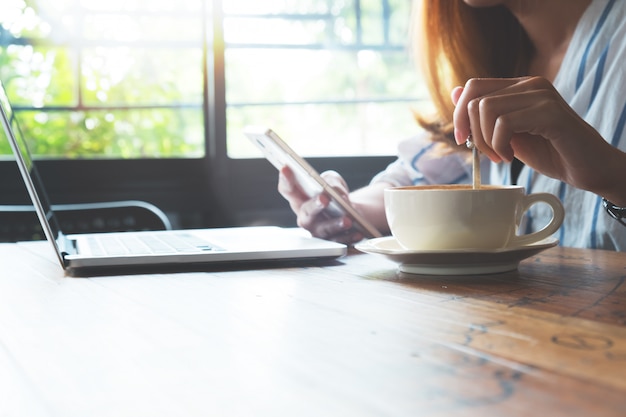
{"x":558,"y":214}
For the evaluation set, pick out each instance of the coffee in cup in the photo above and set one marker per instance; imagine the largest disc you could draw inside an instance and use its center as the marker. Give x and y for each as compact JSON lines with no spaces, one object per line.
{"x":453,"y":217}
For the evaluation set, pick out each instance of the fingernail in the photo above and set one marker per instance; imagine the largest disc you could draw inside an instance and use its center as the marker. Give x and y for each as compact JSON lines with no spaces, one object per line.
{"x":344,"y":223}
{"x":460,"y":138}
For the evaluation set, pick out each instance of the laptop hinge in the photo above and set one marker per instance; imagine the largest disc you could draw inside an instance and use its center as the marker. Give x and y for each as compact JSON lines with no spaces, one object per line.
{"x":66,"y":246}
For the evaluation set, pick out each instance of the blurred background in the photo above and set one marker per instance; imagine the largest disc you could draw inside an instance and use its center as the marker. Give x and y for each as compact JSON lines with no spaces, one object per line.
{"x":147,"y":99}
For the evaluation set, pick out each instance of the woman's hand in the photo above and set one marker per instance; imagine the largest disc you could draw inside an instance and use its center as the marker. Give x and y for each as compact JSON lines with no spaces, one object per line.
{"x":311,"y":212}
{"x":528,"y":119}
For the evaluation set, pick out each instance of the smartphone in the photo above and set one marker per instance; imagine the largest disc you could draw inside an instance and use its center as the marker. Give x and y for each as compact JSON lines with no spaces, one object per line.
{"x":279,"y":154}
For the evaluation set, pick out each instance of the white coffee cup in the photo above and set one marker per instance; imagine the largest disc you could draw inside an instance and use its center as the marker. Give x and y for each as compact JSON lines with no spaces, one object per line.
{"x":452,"y":217}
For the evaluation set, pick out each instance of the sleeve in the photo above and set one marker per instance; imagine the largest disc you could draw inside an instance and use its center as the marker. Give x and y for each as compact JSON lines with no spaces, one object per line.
{"x":422,"y":161}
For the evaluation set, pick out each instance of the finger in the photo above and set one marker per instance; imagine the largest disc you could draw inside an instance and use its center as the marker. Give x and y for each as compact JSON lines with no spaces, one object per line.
{"x":528,"y":126}
{"x":337,"y":182}
{"x":483,"y":111}
{"x":338,"y":229}
{"x":456,"y":94}
{"x":474,"y":89}
{"x":311,"y":211}
{"x":334,"y":179}
{"x":288,"y":186}
{"x":491,"y":113}
{"x":303,"y":206}
{"x":500,"y":118}
{"x":481,"y":141}
{"x":535,"y":108}
{"x":349,"y":237}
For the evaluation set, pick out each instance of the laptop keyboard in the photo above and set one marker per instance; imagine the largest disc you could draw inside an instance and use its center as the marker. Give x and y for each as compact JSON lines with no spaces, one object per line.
{"x":137,"y":244}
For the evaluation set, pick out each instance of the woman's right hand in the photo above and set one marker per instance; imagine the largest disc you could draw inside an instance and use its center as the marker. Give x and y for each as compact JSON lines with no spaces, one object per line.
{"x":311,"y":211}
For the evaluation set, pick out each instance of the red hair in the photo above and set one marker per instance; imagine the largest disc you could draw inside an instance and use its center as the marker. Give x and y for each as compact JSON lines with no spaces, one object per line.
{"x":454,"y":42}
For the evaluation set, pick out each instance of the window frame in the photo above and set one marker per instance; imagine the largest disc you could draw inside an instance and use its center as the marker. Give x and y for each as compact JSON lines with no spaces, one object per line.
{"x":211,"y":191}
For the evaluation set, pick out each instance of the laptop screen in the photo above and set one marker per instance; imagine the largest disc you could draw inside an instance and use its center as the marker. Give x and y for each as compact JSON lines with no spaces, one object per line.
{"x":28,"y":169}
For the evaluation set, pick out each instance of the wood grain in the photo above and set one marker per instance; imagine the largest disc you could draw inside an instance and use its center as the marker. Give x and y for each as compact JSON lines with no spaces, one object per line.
{"x":351,"y":338}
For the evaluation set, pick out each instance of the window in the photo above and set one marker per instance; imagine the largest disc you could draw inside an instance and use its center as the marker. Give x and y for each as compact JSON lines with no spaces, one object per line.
{"x":147,"y":99}
{"x":113,"y":79}
{"x":334,"y":77}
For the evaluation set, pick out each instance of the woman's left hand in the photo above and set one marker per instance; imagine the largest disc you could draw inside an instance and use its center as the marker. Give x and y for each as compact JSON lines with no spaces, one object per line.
{"x":528,"y":119}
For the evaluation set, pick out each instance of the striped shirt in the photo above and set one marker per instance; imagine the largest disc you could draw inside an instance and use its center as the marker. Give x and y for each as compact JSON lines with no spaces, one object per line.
{"x":592,"y":79}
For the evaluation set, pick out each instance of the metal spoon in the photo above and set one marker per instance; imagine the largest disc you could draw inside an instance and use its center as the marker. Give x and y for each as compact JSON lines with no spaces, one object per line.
{"x":475,"y":162}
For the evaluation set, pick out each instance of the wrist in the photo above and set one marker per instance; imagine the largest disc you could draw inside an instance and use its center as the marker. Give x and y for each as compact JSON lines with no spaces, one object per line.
{"x":614,"y":192}
{"x":369,"y":202}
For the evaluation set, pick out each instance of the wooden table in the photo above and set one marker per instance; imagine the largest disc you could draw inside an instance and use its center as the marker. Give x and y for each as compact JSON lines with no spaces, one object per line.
{"x":351,"y":338}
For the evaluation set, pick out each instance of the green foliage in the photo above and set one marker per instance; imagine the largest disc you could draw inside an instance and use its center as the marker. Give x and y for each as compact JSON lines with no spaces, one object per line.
{"x":100,"y":99}
{"x":129,"y":83}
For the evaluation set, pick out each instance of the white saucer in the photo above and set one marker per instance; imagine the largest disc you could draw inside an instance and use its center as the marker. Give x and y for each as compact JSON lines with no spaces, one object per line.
{"x":454,"y":262}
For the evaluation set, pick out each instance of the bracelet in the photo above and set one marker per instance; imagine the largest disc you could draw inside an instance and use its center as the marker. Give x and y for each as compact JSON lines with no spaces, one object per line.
{"x":618,"y":213}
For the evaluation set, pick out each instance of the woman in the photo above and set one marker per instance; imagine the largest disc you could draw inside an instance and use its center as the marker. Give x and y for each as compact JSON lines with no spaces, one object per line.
{"x":543,"y":98}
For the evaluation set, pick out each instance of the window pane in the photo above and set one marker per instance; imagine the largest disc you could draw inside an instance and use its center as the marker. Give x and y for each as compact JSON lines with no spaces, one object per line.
{"x":106,"y":79}
{"x":277,"y":6}
{"x":39,"y":76}
{"x":332,"y":78}
{"x":270,"y":75}
{"x":147,"y":133}
{"x":326,"y":129}
{"x":146,"y":76}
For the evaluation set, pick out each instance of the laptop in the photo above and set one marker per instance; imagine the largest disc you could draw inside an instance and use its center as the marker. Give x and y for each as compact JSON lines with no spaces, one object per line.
{"x":164,"y":248}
